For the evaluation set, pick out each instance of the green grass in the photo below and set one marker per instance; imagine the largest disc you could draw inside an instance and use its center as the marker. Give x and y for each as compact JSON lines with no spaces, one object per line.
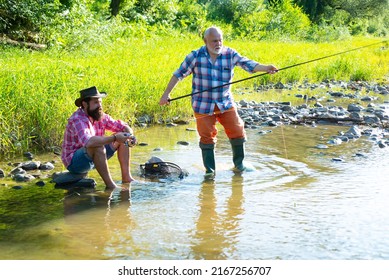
{"x":38,"y":89}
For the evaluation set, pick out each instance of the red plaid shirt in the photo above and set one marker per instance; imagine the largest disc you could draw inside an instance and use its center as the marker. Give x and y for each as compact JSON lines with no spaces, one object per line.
{"x":80,"y":129}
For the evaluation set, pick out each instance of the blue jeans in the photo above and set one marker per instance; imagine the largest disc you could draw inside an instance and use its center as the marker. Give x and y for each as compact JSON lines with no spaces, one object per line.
{"x":82,"y":162}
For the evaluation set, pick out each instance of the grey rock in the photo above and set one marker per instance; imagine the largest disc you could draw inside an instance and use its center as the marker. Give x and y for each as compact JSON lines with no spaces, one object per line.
{"x":143,"y":144}
{"x":354,"y":130}
{"x":321,"y":146}
{"x":335,"y":141}
{"x":28,"y":155}
{"x":18,"y":170}
{"x":354,"y":108}
{"x":23,"y":177}
{"x":46,"y":166}
{"x":30,"y":165}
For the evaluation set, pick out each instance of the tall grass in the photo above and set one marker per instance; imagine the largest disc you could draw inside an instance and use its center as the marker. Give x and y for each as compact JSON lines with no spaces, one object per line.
{"x":38,"y":89}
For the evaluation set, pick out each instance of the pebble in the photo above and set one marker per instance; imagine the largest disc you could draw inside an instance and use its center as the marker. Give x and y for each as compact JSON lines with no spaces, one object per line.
{"x":321,"y":146}
{"x":143,"y":144}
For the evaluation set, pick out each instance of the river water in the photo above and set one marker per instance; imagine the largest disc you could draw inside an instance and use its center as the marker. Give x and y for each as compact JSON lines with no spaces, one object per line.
{"x":298,"y":204}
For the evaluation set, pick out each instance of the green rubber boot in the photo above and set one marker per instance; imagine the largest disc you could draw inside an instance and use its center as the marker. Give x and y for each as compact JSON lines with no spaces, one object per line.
{"x":208,"y":153}
{"x":238,"y":153}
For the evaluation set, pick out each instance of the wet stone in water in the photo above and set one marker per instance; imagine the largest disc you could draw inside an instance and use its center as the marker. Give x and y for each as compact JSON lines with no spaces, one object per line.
{"x":40,"y":183}
{"x":143,"y":144}
{"x":321,"y":146}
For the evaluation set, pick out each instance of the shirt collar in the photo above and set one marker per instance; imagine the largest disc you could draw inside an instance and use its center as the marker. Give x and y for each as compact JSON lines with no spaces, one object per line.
{"x":208,"y":56}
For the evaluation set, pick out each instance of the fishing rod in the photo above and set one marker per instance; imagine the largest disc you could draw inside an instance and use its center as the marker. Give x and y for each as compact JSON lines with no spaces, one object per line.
{"x":280,"y":69}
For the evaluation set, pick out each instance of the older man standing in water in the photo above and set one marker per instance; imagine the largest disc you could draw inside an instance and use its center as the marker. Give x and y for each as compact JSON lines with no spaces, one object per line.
{"x":212,"y":66}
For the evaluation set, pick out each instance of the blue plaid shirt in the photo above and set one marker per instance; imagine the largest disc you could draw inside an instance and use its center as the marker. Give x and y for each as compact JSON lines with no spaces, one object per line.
{"x":207,"y":75}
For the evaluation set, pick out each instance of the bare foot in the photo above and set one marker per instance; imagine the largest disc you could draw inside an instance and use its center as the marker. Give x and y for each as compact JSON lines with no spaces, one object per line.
{"x":128,"y":180}
{"x":112,"y":186}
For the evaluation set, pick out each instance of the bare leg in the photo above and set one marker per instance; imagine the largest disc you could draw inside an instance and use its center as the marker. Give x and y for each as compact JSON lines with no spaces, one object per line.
{"x":101,"y":164}
{"x":124,"y":155}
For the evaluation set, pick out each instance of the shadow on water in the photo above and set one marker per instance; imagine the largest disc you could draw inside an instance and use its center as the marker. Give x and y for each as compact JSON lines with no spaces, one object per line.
{"x":297,"y":204}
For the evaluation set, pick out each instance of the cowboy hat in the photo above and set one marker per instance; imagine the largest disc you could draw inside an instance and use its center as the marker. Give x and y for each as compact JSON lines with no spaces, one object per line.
{"x":89,"y":92}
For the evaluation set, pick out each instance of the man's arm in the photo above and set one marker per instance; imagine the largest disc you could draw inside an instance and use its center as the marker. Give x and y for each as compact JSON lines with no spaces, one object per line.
{"x":124,"y":135}
{"x":166,"y":95}
{"x":96,"y":141}
{"x":271,"y":69}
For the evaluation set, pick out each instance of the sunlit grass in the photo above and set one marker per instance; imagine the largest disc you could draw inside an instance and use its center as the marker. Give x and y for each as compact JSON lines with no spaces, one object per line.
{"x":38,"y":89}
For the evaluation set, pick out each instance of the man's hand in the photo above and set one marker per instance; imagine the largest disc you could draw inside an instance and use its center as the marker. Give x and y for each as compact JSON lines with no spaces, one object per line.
{"x":122,"y":137}
{"x":164,"y":100}
{"x":271,"y":69}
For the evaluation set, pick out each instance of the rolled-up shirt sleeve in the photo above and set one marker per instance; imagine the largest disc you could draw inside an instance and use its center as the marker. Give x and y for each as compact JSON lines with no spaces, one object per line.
{"x":186,"y":67}
{"x":245,"y":63}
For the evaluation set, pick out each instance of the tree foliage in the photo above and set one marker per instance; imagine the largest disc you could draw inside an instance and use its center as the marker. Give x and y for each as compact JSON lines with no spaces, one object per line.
{"x":60,"y":21}
{"x":17,"y":16}
{"x":279,"y":20}
{"x":315,"y":9}
{"x":358,"y":16}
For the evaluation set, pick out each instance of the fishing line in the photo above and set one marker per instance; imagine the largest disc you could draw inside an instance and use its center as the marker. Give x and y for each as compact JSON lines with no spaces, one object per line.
{"x":280,"y":69}
{"x":283,"y":138}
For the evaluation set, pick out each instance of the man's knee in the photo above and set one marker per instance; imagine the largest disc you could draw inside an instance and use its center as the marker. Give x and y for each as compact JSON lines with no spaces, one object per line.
{"x":208,"y":135}
{"x":96,"y":151}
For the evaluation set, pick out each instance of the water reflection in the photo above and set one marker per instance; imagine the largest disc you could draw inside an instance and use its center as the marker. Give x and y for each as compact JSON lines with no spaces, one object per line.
{"x":299,"y":206}
{"x":216,"y":233}
{"x":99,"y":231}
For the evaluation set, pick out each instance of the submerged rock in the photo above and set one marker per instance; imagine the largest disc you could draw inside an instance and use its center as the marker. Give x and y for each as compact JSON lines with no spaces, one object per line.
{"x":321,"y":146}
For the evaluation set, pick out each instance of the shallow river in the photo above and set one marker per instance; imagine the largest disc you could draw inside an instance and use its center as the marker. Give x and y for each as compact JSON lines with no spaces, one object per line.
{"x":298,"y":204}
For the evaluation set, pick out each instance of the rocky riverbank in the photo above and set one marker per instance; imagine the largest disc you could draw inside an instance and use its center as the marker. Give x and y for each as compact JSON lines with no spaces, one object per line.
{"x":363,"y":109}
{"x":366,"y":113}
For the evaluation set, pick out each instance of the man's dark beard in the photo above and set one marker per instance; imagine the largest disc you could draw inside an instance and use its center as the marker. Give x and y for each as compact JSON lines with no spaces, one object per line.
{"x":96,"y":114}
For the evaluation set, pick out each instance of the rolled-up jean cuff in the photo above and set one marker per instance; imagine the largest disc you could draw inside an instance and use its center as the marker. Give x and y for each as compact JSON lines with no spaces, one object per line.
{"x":83,"y":163}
